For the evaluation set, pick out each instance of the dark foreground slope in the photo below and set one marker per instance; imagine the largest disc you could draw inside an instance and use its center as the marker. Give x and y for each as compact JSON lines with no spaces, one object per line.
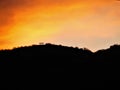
{"x":52,"y":65}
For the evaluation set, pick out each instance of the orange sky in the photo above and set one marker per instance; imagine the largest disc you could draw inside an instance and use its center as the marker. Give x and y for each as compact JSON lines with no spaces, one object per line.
{"x":94,"y":24}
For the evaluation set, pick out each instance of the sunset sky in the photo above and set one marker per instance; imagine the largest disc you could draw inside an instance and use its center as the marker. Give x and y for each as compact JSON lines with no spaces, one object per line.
{"x":94,"y":24}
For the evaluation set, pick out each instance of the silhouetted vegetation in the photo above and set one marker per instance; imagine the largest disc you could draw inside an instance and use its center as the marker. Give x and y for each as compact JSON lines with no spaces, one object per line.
{"x":30,"y":65}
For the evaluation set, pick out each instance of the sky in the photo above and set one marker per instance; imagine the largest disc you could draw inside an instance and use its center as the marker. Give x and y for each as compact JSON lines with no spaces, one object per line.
{"x":94,"y":24}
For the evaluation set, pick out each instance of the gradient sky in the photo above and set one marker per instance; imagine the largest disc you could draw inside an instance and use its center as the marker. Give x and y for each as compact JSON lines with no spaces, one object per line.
{"x":94,"y":24}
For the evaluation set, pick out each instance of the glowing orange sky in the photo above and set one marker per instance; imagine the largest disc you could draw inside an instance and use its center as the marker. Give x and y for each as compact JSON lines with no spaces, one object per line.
{"x":94,"y":24}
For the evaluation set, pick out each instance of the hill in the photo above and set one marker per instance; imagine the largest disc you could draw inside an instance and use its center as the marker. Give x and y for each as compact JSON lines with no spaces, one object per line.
{"x":56,"y":64}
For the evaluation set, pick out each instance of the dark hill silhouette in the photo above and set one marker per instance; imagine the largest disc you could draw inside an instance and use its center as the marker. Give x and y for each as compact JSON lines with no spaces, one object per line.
{"x":56,"y":65}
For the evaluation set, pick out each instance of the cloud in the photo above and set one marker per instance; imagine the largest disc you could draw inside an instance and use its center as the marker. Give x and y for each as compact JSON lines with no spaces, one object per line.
{"x":7,"y":10}
{"x":29,"y":20}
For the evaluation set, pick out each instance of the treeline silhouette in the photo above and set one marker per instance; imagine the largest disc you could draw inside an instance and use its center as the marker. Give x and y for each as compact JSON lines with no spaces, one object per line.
{"x":57,"y":65}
